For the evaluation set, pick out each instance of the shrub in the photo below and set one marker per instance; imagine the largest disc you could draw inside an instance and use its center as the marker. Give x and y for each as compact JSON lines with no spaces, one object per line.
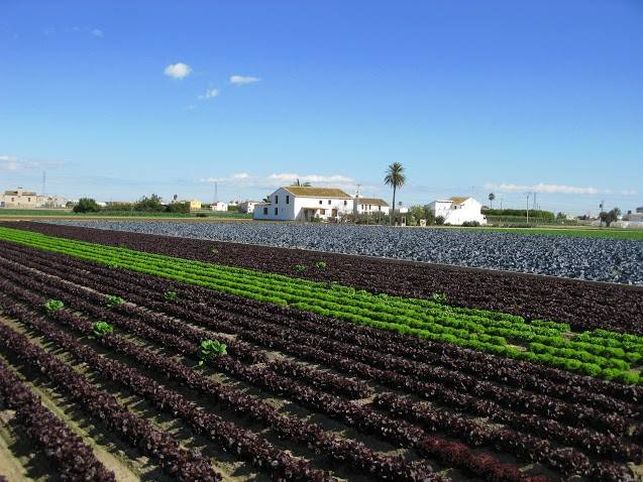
{"x":320,"y":265}
{"x":439,"y":220}
{"x":300,"y":268}
{"x":211,"y":349}
{"x":470,"y":224}
{"x":101,"y":328}
{"x":169,"y":295}
{"x":86,"y":205}
{"x":201,"y":215}
{"x":51,"y":306}
{"x":113,"y":300}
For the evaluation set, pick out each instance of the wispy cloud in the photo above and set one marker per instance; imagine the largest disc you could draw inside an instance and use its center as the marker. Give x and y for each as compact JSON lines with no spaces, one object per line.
{"x":178,"y":70}
{"x":15,"y":164}
{"x":244,"y":179}
{"x":556,"y":189}
{"x":96,"y":32}
{"x":243,"y":79}
{"x":210,"y":94}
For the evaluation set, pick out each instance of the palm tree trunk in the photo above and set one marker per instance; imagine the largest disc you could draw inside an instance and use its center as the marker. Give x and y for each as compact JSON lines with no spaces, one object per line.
{"x":393,"y":208}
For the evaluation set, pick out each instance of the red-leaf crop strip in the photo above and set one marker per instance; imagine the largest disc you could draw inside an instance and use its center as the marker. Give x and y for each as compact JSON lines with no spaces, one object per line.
{"x":341,"y":450}
{"x":585,"y":417}
{"x":525,"y":295}
{"x":567,"y":463}
{"x":364,"y":308}
{"x":73,"y":459}
{"x":365,"y":419}
{"x":228,"y":436}
{"x":176,"y":461}
{"x":520,"y":401}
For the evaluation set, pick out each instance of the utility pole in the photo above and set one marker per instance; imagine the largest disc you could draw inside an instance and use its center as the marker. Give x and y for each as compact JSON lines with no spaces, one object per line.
{"x":44,"y":183}
{"x":528,"y":194}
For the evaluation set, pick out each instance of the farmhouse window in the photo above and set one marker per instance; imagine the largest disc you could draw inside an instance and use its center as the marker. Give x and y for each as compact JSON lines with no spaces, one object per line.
{"x":265,"y":211}
{"x":345,"y":203}
{"x":287,"y":199}
{"x":322,"y":211}
{"x":329,"y":201}
{"x":276,"y":199}
{"x":276,"y":211}
{"x":321,"y":202}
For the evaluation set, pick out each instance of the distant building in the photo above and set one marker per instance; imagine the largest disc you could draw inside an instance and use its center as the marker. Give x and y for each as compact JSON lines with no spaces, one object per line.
{"x":195,"y":205}
{"x":248,"y":207}
{"x":370,"y":205}
{"x":458,"y":210}
{"x":304,"y":203}
{"x":639,"y":210}
{"x":21,"y":199}
{"x":219,"y":206}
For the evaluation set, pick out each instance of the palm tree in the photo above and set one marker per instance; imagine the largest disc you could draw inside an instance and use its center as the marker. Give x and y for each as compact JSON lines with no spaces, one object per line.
{"x":492,"y":196}
{"x":395,"y":178}
{"x":298,"y":183}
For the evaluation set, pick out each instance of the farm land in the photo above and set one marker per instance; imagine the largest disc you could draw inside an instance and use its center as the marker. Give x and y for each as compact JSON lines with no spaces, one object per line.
{"x":129,"y":356}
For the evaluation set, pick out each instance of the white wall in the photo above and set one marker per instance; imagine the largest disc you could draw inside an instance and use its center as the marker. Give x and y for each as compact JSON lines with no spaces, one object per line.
{"x":457,"y":214}
{"x":284,"y":206}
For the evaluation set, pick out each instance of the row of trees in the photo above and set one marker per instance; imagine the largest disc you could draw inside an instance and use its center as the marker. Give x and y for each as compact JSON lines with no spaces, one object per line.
{"x":152,"y":204}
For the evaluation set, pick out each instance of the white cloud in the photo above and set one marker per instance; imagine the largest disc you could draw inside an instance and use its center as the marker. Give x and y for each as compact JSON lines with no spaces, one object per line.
{"x":178,"y":70}
{"x":97,"y":32}
{"x":243,"y":79}
{"x":279,"y":179}
{"x":16,"y":164}
{"x":210,"y":94}
{"x":554,"y":189}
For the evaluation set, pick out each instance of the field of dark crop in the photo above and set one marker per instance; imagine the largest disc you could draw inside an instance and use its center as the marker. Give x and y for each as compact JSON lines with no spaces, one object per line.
{"x":104,"y":375}
{"x":598,"y":259}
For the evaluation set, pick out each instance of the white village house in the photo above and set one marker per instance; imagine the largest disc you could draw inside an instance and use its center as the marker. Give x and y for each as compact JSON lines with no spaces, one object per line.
{"x":219,"y":206}
{"x":458,"y":210}
{"x":304,"y":203}
{"x":248,"y":207}
{"x":20,"y":198}
{"x":370,"y":205}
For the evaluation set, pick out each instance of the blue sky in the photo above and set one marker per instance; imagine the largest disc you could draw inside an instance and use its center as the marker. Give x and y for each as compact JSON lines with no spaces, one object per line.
{"x":116,"y":100}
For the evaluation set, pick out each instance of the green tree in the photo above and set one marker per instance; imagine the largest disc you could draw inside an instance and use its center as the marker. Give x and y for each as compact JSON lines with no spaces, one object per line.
{"x":86,"y":205}
{"x":610,"y":216}
{"x":152,"y":203}
{"x":395,"y":178}
{"x":492,"y":196}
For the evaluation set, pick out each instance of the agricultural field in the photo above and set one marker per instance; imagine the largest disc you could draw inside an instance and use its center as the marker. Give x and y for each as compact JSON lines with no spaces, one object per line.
{"x":128,"y":356}
{"x":585,"y":256}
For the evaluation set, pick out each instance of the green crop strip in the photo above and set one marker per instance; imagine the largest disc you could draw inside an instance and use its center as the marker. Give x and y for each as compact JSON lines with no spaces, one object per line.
{"x":599,"y":353}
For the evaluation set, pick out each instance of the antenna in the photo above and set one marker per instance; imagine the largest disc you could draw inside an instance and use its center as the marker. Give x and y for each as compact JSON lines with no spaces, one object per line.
{"x":44,"y":183}
{"x":216,"y":193}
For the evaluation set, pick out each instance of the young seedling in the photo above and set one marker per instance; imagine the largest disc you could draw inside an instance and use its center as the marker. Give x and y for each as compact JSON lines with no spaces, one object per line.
{"x":211,"y":349}
{"x":320,"y":265}
{"x":169,"y":295}
{"x":214,"y":251}
{"x":51,"y":306}
{"x":439,"y":298}
{"x":113,"y":300}
{"x":300,"y":268}
{"x":101,"y":328}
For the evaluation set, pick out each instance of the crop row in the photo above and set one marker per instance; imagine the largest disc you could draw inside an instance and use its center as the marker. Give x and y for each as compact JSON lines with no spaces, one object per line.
{"x":72,"y":457}
{"x":332,"y":353}
{"x":226,"y":435}
{"x":525,"y":295}
{"x":103,"y":407}
{"x":568,"y":460}
{"x":360,"y":307}
{"x":367,"y":420}
{"x":310,"y":434}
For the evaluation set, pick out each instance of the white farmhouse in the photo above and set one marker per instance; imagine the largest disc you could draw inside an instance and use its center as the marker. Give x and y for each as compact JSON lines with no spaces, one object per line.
{"x":458,"y":210}
{"x":248,"y":207}
{"x":304,"y":203}
{"x":370,"y":205}
{"x":219,"y":206}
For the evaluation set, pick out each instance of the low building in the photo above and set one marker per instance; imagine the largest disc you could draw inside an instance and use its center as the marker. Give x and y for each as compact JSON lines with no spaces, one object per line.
{"x":219,"y":206}
{"x":370,"y":205}
{"x":195,"y":204}
{"x":22,"y":199}
{"x":304,"y":203}
{"x":248,"y":207}
{"x":458,"y":210}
